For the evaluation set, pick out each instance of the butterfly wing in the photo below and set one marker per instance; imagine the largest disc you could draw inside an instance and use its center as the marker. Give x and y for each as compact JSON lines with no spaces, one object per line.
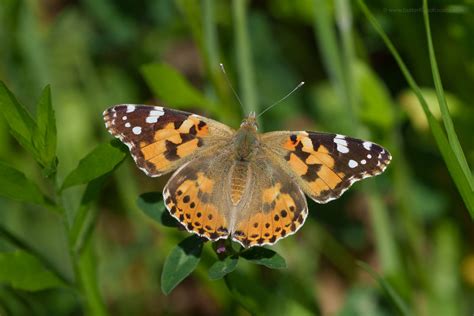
{"x":162,"y":139}
{"x":197,"y":196}
{"x":325,"y":165}
{"x":275,"y":206}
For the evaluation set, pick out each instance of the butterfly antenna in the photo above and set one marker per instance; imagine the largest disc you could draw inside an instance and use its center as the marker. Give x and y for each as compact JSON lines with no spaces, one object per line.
{"x":282,"y":99}
{"x":230,"y":85}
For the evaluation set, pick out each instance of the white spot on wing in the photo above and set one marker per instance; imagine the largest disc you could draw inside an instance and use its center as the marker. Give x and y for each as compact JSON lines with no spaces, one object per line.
{"x":342,"y":149}
{"x":369,"y":156}
{"x":151,"y":119}
{"x":158,"y":111}
{"x":127,"y":124}
{"x":137,"y":130}
{"x":352,"y":163}
{"x":130,"y":108}
{"x":341,"y":144}
{"x":367,"y":145}
{"x":363,"y":161}
{"x":154,"y":115}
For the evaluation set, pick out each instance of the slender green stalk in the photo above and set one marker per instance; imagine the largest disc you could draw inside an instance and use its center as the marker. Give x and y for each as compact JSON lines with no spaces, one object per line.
{"x":448,"y":123}
{"x":454,"y":166}
{"x":212,"y":59}
{"x":331,"y":52}
{"x":384,"y":239}
{"x":244,"y":57}
{"x":85,"y":272}
{"x":344,"y":22}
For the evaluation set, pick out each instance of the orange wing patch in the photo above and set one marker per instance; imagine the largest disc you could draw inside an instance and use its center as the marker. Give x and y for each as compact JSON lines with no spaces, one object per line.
{"x":172,"y":143}
{"x":283,"y":211}
{"x":314,"y":165}
{"x":189,"y":202}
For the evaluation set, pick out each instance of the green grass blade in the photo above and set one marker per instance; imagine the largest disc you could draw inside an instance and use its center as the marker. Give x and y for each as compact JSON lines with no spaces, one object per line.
{"x":331,"y":52}
{"x":448,"y":123}
{"x":244,"y":57}
{"x":453,"y":165}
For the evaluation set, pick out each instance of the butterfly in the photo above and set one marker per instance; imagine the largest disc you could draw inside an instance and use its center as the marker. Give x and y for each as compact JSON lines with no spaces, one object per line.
{"x":240,"y":184}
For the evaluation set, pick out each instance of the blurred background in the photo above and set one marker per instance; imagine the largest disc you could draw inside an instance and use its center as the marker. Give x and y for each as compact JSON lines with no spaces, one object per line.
{"x":409,"y":224}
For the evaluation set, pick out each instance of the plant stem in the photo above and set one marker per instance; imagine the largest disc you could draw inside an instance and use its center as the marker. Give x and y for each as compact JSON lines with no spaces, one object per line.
{"x":244,"y":57}
{"x":211,"y":56}
{"x":84,"y":270}
{"x":330,"y":51}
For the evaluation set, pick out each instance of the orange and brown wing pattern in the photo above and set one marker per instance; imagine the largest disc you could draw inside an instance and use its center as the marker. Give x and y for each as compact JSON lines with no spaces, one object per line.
{"x":326,"y":165}
{"x":195,"y":196}
{"x":161,"y":139}
{"x":277,"y":208}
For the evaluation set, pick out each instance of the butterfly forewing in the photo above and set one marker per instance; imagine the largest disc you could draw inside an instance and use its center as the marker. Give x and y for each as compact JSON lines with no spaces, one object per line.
{"x":326,"y":165}
{"x":162,"y":139}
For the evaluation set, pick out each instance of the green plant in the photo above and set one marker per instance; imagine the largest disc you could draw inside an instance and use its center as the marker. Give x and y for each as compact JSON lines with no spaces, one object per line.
{"x":27,"y":268}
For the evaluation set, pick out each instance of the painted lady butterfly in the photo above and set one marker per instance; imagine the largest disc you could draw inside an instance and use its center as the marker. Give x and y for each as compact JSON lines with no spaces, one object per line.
{"x":241,"y":184}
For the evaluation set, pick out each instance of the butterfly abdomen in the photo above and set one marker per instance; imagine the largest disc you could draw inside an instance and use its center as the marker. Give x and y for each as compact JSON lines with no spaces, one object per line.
{"x":238,"y":181}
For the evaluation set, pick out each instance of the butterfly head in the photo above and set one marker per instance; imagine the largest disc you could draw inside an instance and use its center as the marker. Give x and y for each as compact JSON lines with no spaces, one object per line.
{"x":250,"y":122}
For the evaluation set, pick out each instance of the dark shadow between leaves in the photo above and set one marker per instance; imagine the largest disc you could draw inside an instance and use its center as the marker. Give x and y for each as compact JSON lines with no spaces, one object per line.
{"x":152,"y":204}
{"x":192,"y":246}
{"x":119,"y":145}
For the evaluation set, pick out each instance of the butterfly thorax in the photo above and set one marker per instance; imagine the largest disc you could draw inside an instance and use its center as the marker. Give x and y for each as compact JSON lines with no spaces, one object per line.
{"x":246,"y":139}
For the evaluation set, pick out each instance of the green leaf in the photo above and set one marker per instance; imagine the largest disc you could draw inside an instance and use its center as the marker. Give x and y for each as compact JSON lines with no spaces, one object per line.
{"x":14,"y":185}
{"x":44,"y":137}
{"x":222,"y":267}
{"x":103,"y":159}
{"x":388,"y":289}
{"x":264,"y":256}
{"x":23,"y":271}
{"x":181,"y":261}
{"x":170,"y":86}
{"x":152,"y":204}
{"x":375,"y":98}
{"x":18,"y":118}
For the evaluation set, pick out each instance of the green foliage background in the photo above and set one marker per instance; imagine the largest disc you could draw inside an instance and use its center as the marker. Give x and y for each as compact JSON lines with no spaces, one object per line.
{"x":76,"y":238}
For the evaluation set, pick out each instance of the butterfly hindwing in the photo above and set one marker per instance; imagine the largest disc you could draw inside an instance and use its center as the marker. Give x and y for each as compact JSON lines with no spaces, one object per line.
{"x":326,"y":165}
{"x":196,"y":195}
{"x":162,"y":139}
{"x":275,"y":206}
